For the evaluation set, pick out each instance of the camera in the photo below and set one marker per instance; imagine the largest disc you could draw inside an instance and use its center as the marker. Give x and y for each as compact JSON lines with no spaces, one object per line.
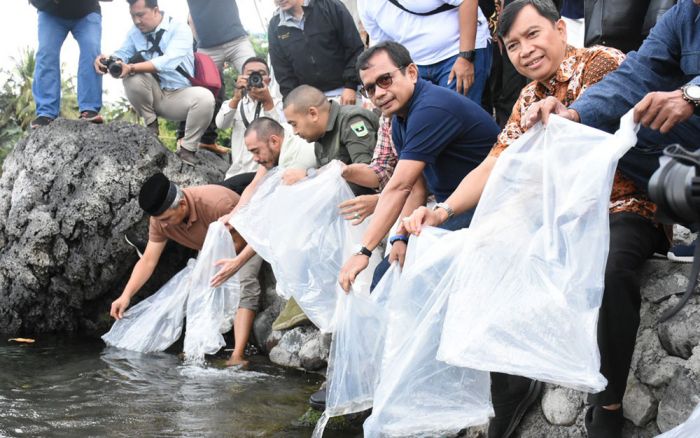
{"x":675,"y":186}
{"x":114,"y":67}
{"x":255,"y":80}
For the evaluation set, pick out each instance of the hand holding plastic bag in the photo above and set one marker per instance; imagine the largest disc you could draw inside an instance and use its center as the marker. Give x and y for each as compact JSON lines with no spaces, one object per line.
{"x":528,"y":283}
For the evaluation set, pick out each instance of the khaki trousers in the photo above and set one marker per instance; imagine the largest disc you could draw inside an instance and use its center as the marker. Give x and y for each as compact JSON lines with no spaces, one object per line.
{"x":194,"y":105}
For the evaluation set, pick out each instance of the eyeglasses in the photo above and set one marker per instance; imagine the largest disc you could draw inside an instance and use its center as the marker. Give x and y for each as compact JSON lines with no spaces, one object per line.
{"x":384,"y":81}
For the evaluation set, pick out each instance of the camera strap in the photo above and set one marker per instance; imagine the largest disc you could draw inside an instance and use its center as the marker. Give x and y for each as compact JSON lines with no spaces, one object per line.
{"x":443,"y":8}
{"x":692,"y":283}
{"x":258,"y":108}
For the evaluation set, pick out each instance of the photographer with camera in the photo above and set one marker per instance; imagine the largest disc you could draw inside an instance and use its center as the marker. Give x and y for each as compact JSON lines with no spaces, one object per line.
{"x":251,"y":99}
{"x":159,"y":59}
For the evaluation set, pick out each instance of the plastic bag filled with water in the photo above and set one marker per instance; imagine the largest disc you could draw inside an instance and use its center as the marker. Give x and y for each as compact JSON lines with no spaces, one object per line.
{"x":418,"y":395}
{"x":298,"y":229}
{"x":210,"y":310}
{"x":689,"y":429}
{"x":156,"y":323}
{"x":357,"y":348}
{"x":528,"y":281}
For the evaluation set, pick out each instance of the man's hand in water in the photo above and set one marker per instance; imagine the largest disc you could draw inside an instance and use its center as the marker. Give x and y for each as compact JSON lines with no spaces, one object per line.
{"x":119,"y":306}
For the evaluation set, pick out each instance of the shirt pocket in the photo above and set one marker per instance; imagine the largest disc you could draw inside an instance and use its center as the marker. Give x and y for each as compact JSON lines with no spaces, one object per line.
{"x":690,"y":63}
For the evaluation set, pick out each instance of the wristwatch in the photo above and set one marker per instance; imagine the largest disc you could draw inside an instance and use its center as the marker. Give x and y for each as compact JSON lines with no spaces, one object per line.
{"x":445,"y":207}
{"x":691,"y":94}
{"x":468,"y":55}
{"x":361,"y":250}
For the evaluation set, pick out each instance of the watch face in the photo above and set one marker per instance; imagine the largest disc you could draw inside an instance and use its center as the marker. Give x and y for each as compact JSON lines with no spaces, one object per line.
{"x":693,"y":92}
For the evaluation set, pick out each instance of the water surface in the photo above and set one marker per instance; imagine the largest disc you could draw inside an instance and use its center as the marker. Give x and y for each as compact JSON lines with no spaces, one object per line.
{"x":79,"y":388}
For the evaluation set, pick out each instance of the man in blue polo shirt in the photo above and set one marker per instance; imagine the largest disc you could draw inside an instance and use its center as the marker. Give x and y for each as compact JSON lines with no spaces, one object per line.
{"x":439,"y":135}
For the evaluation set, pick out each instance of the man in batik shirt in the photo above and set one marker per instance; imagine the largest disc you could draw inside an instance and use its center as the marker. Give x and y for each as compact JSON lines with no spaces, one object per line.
{"x":535,"y":39}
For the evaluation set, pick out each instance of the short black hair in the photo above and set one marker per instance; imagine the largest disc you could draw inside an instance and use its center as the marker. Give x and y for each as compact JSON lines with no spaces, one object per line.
{"x":149,"y":3}
{"x":398,"y":54}
{"x":264,"y":127}
{"x":545,"y":8}
{"x":304,"y":97}
{"x":255,"y":59}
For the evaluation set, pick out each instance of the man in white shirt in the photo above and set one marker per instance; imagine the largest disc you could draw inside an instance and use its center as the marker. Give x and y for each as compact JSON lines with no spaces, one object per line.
{"x":449,"y":40}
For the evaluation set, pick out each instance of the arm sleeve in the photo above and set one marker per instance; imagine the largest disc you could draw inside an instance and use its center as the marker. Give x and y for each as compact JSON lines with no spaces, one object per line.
{"x":225,"y":116}
{"x":352,"y":45}
{"x":281,"y":66}
{"x":178,"y":50}
{"x":360,"y":148}
{"x":127,"y":50}
{"x":652,"y":68}
{"x":155,"y":231}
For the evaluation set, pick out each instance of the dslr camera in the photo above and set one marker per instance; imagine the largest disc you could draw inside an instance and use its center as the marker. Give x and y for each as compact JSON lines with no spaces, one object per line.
{"x":675,"y":188}
{"x":255,"y":80}
{"x":113,"y":66}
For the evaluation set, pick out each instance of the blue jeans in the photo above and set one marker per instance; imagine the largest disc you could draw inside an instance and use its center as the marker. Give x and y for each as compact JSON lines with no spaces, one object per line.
{"x":455,"y":223}
{"x":47,"y":72}
{"x":439,"y":73}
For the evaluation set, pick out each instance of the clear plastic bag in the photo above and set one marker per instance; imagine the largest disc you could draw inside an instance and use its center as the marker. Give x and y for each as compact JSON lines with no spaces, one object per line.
{"x":689,"y":429}
{"x":298,"y":229}
{"x":417,"y":395}
{"x":357,"y":348}
{"x":528,"y":281}
{"x":210,"y":311}
{"x":156,"y":323}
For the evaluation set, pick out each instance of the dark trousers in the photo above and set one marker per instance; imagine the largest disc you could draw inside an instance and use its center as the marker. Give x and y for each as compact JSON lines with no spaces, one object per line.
{"x":238,"y":183}
{"x":505,"y":84}
{"x":633,"y":239}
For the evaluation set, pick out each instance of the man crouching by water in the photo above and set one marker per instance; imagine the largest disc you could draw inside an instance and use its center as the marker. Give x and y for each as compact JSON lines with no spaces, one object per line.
{"x":182,"y":215}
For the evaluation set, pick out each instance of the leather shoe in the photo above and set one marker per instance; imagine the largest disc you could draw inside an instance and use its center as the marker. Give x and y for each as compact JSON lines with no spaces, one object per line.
{"x":318,"y":400}
{"x":604,"y":423}
{"x":512,"y":396}
{"x":187,"y":157}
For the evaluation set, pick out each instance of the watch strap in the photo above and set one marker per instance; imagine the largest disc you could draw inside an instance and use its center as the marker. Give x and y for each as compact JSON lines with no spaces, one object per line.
{"x":469,"y":55}
{"x":364,"y":251}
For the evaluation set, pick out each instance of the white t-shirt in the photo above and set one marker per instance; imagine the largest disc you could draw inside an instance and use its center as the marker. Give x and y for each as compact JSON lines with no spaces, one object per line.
{"x":429,"y":39}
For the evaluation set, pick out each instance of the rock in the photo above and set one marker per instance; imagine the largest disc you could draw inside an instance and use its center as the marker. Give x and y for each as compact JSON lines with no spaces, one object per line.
{"x":286,"y":352}
{"x":654,"y":366}
{"x":314,"y":353}
{"x":639,"y":404}
{"x":679,"y":400}
{"x":561,"y":406}
{"x":661,"y":279}
{"x":693,"y":364}
{"x":273,"y":339}
{"x":679,"y":335}
{"x":68,"y":194}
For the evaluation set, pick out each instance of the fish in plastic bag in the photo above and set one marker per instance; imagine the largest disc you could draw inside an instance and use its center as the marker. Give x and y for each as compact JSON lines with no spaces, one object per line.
{"x":528,"y":281}
{"x":357,"y":348}
{"x":418,"y":395}
{"x":156,"y":323}
{"x":689,"y":429}
{"x":298,"y":229}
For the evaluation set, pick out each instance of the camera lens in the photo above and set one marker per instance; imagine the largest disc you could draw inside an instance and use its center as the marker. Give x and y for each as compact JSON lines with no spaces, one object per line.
{"x":255,"y":80}
{"x":675,"y":189}
{"x":115,"y":69}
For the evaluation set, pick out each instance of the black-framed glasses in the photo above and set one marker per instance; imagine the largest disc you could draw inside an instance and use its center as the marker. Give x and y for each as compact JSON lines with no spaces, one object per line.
{"x":383,"y":81}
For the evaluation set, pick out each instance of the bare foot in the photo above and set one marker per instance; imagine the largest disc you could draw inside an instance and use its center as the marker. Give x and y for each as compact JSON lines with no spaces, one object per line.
{"x":237,"y":362}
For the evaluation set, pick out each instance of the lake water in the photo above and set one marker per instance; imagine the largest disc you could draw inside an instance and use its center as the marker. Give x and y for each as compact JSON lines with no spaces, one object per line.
{"x":69,"y":387}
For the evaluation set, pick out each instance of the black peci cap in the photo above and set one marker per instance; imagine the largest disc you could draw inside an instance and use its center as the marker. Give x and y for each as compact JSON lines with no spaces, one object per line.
{"x":157,"y":194}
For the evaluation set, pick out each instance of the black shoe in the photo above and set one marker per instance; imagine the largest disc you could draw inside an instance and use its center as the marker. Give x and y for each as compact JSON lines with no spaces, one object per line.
{"x":91,"y":116}
{"x":603,"y":423}
{"x":511,"y":402}
{"x":41,"y":121}
{"x":136,"y":243}
{"x":188,"y":157}
{"x":318,"y":400}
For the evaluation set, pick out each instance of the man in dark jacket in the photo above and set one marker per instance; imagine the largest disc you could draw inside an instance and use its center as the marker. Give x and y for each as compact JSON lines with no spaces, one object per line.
{"x":315,"y":42}
{"x":82,"y":18}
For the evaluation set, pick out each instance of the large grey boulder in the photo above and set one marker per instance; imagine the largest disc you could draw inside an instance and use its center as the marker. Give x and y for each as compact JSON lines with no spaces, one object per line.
{"x":68,"y":194}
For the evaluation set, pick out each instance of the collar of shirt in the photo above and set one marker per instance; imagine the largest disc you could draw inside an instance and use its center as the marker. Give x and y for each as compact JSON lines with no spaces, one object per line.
{"x":420,"y":84}
{"x":192,"y":218}
{"x":164,"y":24}
{"x":565,"y":71}
{"x":333,"y":115}
{"x":287,"y":19}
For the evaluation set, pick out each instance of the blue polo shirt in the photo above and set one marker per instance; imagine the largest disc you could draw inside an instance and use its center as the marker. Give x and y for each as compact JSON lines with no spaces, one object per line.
{"x":445,"y":130}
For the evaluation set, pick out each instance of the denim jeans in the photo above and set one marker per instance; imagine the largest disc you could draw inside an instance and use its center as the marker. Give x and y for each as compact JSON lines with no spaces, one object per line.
{"x":455,"y":223}
{"x":47,"y":72}
{"x":439,"y":73}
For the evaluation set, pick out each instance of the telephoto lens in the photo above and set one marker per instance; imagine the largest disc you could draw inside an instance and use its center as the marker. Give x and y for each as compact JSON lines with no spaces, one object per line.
{"x":675,"y":186}
{"x":255,"y":80}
